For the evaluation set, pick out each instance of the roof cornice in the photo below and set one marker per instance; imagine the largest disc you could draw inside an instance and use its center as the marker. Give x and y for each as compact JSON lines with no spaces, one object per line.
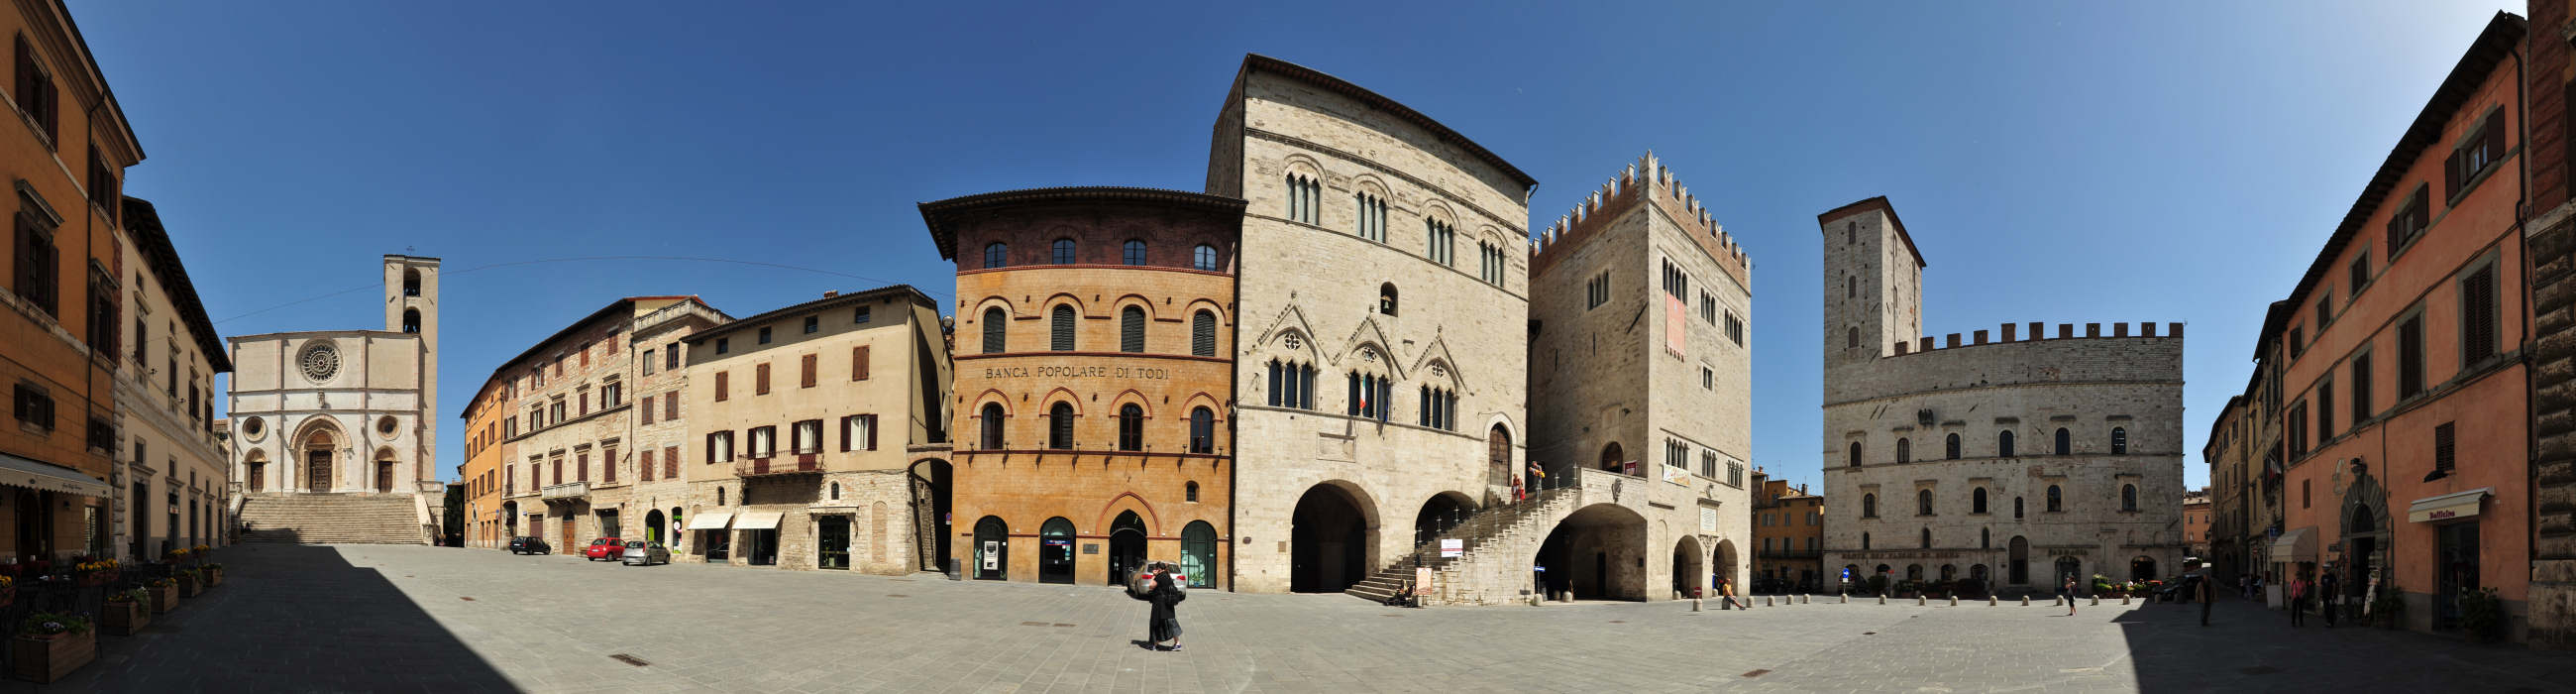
{"x":941,"y":216}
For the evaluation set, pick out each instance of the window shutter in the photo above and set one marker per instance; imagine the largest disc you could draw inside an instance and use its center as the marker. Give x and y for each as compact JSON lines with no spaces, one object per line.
{"x":2494,"y":143}
{"x":723,"y":381}
{"x":2478,"y":315}
{"x":872,"y":431}
{"x":760,"y":379}
{"x":648,"y":414}
{"x":2451,"y":172}
{"x":859,"y":363}
{"x":994,"y":325}
{"x":671,"y":405}
{"x":1060,"y":330}
{"x":1203,"y":334}
{"x":1131,"y":330}
{"x":2442,"y":451}
{"x":807,"y":364}
{"x":2423,"y":213}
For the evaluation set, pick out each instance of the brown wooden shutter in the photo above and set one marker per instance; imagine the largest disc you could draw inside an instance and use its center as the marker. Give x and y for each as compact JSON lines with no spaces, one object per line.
{"x":723,"y":381}
{"x":608,"y":462}
{"x":670,"y":462}
{"x":2423,"y":212}
{"x":872,"y":432}
{"x":760,"y":380}
{"x":859,"y":363}
{"x":2494,"y":143}
{"x":2451,"y":173}
{"x":647,"y":467}
{"x":671,"y":405}
{"x":648,"y":413}
{"x":2443,"y":437}
{"x":807,"y":365}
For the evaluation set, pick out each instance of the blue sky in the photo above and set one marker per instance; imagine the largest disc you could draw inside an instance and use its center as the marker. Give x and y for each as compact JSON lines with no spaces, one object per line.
{"x":2092,"y":162}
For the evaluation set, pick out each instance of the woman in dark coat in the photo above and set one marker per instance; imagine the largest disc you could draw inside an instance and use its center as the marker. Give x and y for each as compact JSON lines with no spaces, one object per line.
{"x":1163,"y":625}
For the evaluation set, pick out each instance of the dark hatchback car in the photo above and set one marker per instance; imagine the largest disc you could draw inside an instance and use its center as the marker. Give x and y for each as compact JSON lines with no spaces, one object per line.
{"x":529,"y":545}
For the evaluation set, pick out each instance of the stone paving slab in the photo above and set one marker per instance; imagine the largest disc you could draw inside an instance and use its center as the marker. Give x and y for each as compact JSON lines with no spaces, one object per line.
{"x":389,"y":618}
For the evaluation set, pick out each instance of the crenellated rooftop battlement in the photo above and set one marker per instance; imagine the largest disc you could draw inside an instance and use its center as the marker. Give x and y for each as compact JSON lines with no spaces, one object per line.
{"x":2011,"y":332}
{"x":1645,"y":181}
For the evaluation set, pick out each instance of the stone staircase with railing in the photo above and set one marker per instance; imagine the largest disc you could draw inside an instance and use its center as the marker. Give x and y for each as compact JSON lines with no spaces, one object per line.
{"x":313,"y":519}
{"x":1496,"y":528}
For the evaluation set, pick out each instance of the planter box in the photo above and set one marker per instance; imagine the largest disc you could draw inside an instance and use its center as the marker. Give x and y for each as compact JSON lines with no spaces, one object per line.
{"x":97,"y":578}
{"x":126,"y":618}
{"x":214,"y":577}
{"x":165,"y":599}
{"x":48,"y":659}
{"x":188,"y":587}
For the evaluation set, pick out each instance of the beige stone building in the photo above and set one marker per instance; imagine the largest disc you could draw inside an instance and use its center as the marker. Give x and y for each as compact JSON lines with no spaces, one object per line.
{"x":170,"y":485}
{"x":1638,"y":323}
{"x":2012,"y":463}
{"x":574,"y":460}
{"x":1381,"y":353}
{"x":342,"y":413}
{"x":661,"y":379}
{"x":802,"y":418}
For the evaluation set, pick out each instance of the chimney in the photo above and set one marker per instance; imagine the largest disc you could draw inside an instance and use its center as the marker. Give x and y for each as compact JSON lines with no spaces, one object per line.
{"x":832,"y":293}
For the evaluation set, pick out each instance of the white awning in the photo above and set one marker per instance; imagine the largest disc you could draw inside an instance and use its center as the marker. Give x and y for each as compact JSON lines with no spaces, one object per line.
{"x":759,"y":520}
{"x":22,"y":472}
{"x":2295,"y":545}
{"x":712,"y":520}
{"x":2448,"y":506}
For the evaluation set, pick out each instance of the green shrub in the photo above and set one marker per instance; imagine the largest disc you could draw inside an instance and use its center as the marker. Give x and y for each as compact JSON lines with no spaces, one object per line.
{"x":2482,"y":614}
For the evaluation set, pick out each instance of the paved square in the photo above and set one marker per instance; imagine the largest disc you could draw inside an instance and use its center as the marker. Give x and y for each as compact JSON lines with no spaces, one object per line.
{"x":388,"y":618}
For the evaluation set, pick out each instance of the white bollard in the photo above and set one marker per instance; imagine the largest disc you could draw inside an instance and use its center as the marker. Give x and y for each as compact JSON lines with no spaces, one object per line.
{"x":1694,"y":604}
{"x":1954,"y":599}
{"x":1766,"y":601}
{"x":1882,"y":599}
{"x":2124,"y":600}
{"x":1918,"y":599}
{"x":1842,"y":598}
{"x":2025,"y":601}
{"x":1990,"y":600}
{"x":1805,"y":599}
{"x":2097,"y":600}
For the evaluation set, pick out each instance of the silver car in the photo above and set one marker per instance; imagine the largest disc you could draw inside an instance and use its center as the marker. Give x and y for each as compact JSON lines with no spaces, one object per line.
{"x":641,"y":553}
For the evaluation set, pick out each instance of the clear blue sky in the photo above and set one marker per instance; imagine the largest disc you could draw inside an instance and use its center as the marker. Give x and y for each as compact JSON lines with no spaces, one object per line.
{"x":2076,"y":163}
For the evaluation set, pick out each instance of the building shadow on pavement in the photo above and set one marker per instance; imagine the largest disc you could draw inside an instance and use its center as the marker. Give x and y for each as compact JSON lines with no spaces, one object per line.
{"x":2247,"y":647}
{"x":288,"y":618}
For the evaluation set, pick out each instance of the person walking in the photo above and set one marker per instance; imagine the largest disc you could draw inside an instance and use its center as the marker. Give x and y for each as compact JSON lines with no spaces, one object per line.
{"x":2329,"y":597}
{"x":2206,"y":591}
{"x":2298,"y":600}
{"x":1164,"y":625}
{"x":2068,"y":590}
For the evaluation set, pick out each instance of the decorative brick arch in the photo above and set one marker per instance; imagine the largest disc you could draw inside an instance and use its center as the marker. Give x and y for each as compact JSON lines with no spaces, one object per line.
{"x":1129,"y":501}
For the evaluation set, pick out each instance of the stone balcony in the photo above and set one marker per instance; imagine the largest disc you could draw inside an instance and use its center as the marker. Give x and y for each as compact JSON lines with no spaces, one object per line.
{"x":797,"y":463}
{"x":567,"y":490}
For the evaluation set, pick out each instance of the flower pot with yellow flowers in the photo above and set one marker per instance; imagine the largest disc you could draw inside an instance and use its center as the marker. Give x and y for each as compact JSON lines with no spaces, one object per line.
{"x":50,"y":645}
{"x":165,"y":595}
{"x":128,"y":611}
{"x":96,"y":572}
{"x":190,"y":583}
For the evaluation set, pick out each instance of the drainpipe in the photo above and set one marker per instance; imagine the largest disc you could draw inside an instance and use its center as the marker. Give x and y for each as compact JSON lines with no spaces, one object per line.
{"x":2522,"y":246}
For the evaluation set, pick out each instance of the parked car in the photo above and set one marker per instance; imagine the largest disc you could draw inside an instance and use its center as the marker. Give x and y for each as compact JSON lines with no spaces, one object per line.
{"x":641,"y":553}
{"x":2179,"y":589}
{"x":606,"y":548}
{"x":529,"y":545}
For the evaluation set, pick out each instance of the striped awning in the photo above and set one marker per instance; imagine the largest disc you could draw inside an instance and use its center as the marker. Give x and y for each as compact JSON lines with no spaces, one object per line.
{"x":31,"y":474}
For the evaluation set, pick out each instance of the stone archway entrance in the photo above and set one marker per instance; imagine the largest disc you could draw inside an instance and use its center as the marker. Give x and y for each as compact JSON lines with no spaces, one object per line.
{"x":1328,"y":540}
{"x":653,"y":525}
{"x":2142,"y":569}
{"x":255,"y":470}
{"x":1126,"y":547}
{"x":930,"y":507}
{"x":1727,"y":563}
{"x":384,"y":470}
{"x":1597,"y":552}
{"x":1444,"y":511}
{"x":992,"y":549}
{"x":319,"y":449}
{"x":2069,"y":569}
{"x":1690,"y":572}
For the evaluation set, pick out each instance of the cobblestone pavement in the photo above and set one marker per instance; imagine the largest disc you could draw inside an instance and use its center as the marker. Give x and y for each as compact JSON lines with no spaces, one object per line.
{"x":377,"y":618}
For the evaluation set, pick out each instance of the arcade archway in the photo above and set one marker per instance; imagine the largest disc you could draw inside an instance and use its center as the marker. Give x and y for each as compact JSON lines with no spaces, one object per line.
{"x":1598,"y":552}
{"x":1444,"y":511}
{"x":1330,"y":537}
{"x":1690,"y":570}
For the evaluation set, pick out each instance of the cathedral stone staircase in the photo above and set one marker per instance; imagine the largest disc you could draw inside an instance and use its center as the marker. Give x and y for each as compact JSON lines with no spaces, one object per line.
{"x":314,"y":519}
{"x":1503,"y":533}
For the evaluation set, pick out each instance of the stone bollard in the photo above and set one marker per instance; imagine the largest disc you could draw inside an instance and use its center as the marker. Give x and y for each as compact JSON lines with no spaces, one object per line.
{"x":2124,"y":600}
{"x":1990,"y":600}
{"x":2025,"y":601}
{"x":1918,"y":600}
{"x":1842,"y":598}
{"x":2097,"y":600}
{"x":1882,"y":598}
{"x":1954,"y":599}
{"x":1694,"y":604}
{"x":1802,"y":599}
{"x":1766,"y":601}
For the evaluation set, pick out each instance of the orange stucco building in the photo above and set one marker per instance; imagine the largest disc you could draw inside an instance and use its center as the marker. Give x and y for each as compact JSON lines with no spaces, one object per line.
{"x":60,"y":328}
{"x":1788,"y":532}
{"x":2405,"y":403}
{"x":489,"y":429}
{"x":1093,"y":380}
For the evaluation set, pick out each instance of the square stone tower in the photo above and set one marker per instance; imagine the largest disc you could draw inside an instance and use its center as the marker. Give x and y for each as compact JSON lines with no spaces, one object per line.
{"x":411,"y":306}
{"x":1873,"y":286}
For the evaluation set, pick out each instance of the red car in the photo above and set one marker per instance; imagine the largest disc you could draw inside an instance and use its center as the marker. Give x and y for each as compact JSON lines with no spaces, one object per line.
{"x":608,"y":548}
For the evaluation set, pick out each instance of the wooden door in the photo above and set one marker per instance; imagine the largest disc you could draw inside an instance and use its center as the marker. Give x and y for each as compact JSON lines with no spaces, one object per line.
{"x":384,"y":476}
{"x":317,"y":471}
{"x":257,"y":473}
{"x":567,"y":536}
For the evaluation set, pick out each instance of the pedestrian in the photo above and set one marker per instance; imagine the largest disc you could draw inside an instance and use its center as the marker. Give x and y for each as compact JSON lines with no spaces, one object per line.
{"x":2068,"y":591}
{"x":2298,"y":600}
{"x":2328,"y":597}
{"x":2205,"y":592}
{"x":1726,"y":592}
{"x":1164,"y":624}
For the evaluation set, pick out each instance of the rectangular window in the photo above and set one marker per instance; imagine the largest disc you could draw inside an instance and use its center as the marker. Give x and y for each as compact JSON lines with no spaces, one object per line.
{"x":612,"y":394}
{"x":2360,"y":388}
{"x":2476,"y":152}
{"x":1597,"y":291}
{"x":1735,"y":328}
{"x":1707,"y":378}
{"x":2410,"y":357}
{"x":1441,"y":242}
{"x":2409,"y":222}
{"x":806,"y":368}
{"x":723,"y":385}
{"x":807,"y":436}
{"x":2325,"y":410}
{"x":38,"y":262}
{"x":35,"y":93}
{"x":2442,"y":460}
{"x":671,"y":357}
{"x":2298,"y":429}
{"x":647,"y":410}
{"x":2478,"y":309}
{"x":648,"y":362}
{"x":1372,"y":218}
{"x":760,"y":379}
{"x":2360,"y":275}
{"x":1707,"y":308}
{"x":102,"y":311}
{"x":859,"y":432}
{"x":859,"y":363}
{"x":724,"y":344}
{"x":2325,"y":312}
{"x":103,"y":185}
{"x":813,"y":324}
{"x":671,"y":406}
{"x":763,"y":443}
{"x":859,"y":316}
{"x":720,"y":447}
{"x":764,"y":335}
{"x":670,"y":462}
{"x":2297,"y":346}
{"x":645,"y":466}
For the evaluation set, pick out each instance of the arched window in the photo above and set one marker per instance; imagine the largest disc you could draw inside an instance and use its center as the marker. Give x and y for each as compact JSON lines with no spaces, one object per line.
{"x":1864,"y":540}
{"x":2065,"y":442}
{"x":1203,"y":258}
{"x":411,"y":320}
{"x":1202,"y":431}
{"x":1927,"y":538}
{"x":1985,"y":540}
{"x":1855,"y":454}
{"x":1131,"y":329}
{"x":1851,"y":337}
{"x":1060,"y":329}
{"x":2003,"y":444}
{"x":411,"y":282}
{"x":1190,"y":492}
{"x":2056,"y":501}
{"x":1922,"y":502}
{"x":1131,"y":427}
{"x":2128,"y":497}
{"x":992,"y":423}
{"x":1904,"y":450}
{"x":997,"y":255}
{"x":1132,"y":252}
{"x":1851,"y":233}
{"x":1062,"y":251}
{"x":836,"y":490}
{"x":1953,"y":446}
{"x":1977,"y":501}
{"x":1611,"y":457}
{"x":1869,"y":505}
{"x":1203,"y":333}
{"x":1851,"y":287}
{"x":1386,"y":298}
{"x":1060,"y":427}
{"x":997,"y":324}
{"x":2016,"y":507}
{"x":2119,"y":441}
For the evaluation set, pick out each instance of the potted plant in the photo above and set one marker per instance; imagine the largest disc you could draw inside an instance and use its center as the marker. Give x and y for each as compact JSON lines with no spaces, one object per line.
{"x":8,"y":590}
{"x":189,"y":584}
{"x":2389,"y":609}
{"x":50,"y":645}
{"x":214,"y":573}
{"x":96,"y":572}
{"x":127,"y":612}
{"x":165,"y":594}
{"x":2482,"y":614}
